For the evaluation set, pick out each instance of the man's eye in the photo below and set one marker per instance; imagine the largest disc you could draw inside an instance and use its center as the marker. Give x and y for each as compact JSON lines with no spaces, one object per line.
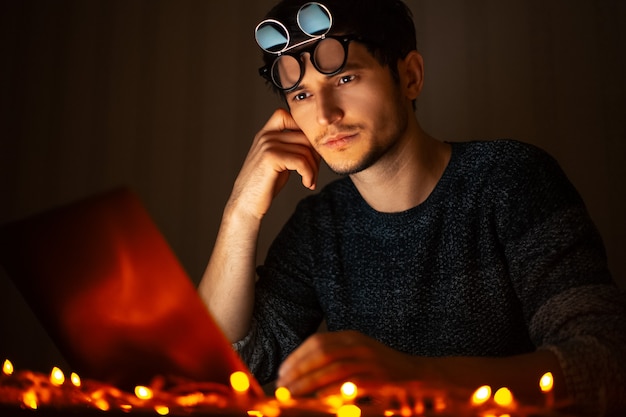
{"x":346,"y":79}
{"x":299,"y":96}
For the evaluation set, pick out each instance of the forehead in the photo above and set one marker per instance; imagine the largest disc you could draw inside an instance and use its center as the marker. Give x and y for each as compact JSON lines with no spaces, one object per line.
{"x":360,"y":56}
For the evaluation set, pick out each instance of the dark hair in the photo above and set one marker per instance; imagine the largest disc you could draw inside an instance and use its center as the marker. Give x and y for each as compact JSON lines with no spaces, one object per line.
{"x":386,"y":26}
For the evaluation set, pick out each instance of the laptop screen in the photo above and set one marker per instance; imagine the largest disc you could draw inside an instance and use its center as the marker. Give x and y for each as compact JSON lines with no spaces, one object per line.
{"x":109,"y":290}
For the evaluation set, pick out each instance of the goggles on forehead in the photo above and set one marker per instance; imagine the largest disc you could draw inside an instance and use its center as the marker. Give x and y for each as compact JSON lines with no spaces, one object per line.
{"x":328,"y":53}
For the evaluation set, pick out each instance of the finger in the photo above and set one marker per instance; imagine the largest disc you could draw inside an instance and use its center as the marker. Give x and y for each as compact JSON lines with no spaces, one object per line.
{"x":281,"y":121}
{"x":331,"y":377}
{"x":317,"y":161}
{"x":294,"y":157}
{"x":316,"y":352}
{"x":309,"y":177}
{"x":306,"y":356}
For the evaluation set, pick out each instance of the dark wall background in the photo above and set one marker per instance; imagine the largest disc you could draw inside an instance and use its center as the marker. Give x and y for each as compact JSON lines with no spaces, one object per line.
{"x":163,"y":96}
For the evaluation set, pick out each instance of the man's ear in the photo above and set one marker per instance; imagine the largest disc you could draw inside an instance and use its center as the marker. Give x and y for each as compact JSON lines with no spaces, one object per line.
{"x":411,"y":70}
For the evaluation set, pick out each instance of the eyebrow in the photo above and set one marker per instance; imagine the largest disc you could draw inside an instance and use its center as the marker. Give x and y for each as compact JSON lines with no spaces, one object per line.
{"x":296,"y":90}
{"x":352,"y":66}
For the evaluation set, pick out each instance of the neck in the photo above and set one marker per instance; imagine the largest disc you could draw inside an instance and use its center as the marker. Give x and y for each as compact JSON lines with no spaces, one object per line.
{"x":406,"y":175}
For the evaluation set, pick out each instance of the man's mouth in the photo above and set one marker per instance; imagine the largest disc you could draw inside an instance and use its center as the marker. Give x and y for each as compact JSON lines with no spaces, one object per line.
{"x":338,"y":141}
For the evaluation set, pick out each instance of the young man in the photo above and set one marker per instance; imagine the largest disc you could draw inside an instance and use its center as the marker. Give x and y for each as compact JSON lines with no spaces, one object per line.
{"x":465,"y":263}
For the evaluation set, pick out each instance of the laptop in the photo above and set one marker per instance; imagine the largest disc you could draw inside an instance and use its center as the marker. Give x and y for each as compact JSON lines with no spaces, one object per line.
{"x":112,"y":295}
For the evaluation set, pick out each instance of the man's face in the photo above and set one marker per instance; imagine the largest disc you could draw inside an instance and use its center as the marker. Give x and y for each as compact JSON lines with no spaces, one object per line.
{"x":353,"y":118}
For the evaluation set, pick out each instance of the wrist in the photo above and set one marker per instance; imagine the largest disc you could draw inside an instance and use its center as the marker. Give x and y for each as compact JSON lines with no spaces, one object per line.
{"x":239,"y":214}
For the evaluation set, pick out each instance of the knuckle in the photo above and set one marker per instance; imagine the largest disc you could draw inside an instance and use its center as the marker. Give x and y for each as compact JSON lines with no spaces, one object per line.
{"x":265,"y":146}
{"x":281,"y":112}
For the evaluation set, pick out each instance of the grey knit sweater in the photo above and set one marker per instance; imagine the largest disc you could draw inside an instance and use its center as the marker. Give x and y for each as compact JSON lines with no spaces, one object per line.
{"x":501,"y":259}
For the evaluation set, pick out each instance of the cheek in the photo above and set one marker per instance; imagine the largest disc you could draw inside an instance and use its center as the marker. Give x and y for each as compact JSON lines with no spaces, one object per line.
{"x":372,"y":100}
{"x":307,"y":123}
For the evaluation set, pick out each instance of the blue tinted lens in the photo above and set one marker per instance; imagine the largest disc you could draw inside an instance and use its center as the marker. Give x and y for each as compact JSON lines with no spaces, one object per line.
{"x":314,"y":20}
{"x":272,"y":36}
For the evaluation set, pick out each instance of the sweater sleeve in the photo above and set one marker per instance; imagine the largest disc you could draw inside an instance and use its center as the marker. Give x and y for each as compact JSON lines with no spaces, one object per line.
{"x":286,"y":309}
{"x":585,"y":328}
{"x":559,"y":271}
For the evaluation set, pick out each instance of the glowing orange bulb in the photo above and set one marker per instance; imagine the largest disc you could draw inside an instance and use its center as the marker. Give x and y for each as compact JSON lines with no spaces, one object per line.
{"x":269,"y":410}
{"x":546,"y":382}
{"x":30,"y":399}
{"x":102,"y":404}
{"x":143,"y":393}
{"x":282,"y":394}
{"x":239,"y":381}
{"x":56,"y":377}
{"x":481,"y":395}
{"x":349,"y":410}
{"x":503,"y":397}
{"x":333,"y":401}
{"x":75,"y":379}
{"x":440,"y":404}
{"x":348,"y":391}
{"x":162,"y":410}
{"x":7,"y":367}
{"x":190,"y":400}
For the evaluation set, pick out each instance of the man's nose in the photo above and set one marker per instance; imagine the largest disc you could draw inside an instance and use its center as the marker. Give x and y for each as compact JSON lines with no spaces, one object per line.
{"x":328,"y":109}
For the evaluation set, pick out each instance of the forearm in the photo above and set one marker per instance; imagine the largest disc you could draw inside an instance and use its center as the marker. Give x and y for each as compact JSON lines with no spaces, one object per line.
{"x":227,"y":287}
{"x":326,"y":359}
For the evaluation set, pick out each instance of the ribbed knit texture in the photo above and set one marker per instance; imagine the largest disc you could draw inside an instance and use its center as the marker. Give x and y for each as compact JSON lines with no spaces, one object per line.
{"x":501,"y":259}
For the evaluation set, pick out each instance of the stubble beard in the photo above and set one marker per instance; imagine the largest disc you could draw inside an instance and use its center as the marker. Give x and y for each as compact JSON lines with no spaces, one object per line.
{"x":378,"y":150}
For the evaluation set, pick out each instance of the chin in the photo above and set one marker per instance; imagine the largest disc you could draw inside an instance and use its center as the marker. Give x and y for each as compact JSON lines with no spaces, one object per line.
{"x":350,"y":167}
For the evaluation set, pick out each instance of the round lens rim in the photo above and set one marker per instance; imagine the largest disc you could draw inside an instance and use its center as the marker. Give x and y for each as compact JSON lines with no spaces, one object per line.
{"x":344,"y":46}
{"x":274,"y":73}
{"x":272,"y":22}
{"x":324,"y":9}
